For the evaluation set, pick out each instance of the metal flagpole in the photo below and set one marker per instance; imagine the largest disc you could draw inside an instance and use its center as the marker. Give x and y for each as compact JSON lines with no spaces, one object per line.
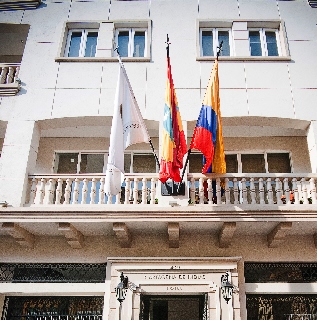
{"x":189,"y":150}
{"x":130,"y":88}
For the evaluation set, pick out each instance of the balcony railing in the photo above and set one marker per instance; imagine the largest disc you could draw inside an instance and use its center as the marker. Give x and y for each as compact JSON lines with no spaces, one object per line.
{"x":9,"y":82}
{"x":226,"y":189}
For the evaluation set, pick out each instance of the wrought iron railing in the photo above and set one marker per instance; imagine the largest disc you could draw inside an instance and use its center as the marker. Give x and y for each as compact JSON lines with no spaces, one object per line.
{"x":53,"y":272}
{"x":85,"y":316}
{"x":287,"y":272}
{"x":246,"y":189}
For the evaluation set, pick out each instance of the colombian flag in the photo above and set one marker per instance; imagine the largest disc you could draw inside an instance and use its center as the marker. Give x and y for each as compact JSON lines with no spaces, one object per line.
{"x":173,"y":143}
{"x":207,"y":136}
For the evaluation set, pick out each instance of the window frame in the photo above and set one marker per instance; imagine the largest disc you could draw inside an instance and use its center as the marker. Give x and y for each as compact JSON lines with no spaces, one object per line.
{"x":240,"y":44}
{"x":131,"y":31}
{"x":215,"y":36}
{"x":83,"y":41}
{"x":262,"y":33}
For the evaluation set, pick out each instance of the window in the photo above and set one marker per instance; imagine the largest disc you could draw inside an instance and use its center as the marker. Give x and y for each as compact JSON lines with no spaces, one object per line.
{"x":264,"y":42}
{"x":210,"y":38}
{"x":81,"y":43}
{"x":268,"y":162}
{"x":131,"y":42}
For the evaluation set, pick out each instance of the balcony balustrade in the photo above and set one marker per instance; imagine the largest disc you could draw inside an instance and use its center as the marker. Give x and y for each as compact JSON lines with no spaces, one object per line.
{"x":226,"y":189}
{"x":9,"y":82}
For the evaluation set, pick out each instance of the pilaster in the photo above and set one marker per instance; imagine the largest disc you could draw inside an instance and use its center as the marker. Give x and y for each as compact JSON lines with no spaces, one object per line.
{"x":18,"y":159}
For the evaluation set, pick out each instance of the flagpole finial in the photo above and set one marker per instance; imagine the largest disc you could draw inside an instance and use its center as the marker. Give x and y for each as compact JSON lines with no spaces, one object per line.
{"x":117,"y":49}
{"x":167,"y":45}
{"x":219,"y":49}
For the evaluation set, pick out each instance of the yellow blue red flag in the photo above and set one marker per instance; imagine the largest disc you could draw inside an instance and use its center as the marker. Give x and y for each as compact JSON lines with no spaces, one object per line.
{"x":173,"y":138}
{"x":207,"y":136}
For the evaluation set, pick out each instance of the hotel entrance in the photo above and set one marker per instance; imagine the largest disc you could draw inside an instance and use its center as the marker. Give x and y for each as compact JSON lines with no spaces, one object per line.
{"x":178,"y":307}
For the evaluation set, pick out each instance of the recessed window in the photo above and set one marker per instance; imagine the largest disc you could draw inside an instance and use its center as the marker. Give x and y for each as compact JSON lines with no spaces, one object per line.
{"x":131,"y":42}
{"x":264,"y":42}
{"x":210,"y":39}
{"x":81,"y":43}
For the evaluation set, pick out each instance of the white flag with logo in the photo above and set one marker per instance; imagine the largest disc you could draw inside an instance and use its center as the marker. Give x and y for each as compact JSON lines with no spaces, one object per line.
{"x":127,"y":128}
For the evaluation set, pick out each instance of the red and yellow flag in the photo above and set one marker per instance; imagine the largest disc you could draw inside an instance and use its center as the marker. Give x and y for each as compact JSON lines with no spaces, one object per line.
{"x":174,"y":143}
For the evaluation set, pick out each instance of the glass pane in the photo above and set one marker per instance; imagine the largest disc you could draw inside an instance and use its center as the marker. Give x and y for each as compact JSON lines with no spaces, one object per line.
{"x":139,"y":44}
{"x":231,"y":163}
{"x":224,"y":36}
{"x":144,"y":163}
{"x":92,"y":163}
{"x":91,"y":44}
{"x":67,"y":163}
{"x":253,"y":163}
{"x":279,"y":163}
{"x":123,"y":43}
{"x":127,"y":163}
{"x":271,"y":43}
{"x":74,"y":44}
{"x":207,"y":43}
{"x":255,"y":43}
{"x":195,"y":163}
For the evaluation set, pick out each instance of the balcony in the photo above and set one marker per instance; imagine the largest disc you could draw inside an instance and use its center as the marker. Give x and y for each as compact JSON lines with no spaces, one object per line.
{"x":10,"y":84}
{"x":207,"y":190}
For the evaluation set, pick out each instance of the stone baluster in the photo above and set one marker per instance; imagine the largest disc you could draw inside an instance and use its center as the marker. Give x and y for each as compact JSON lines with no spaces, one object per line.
{"x":3,"y":75}
{"x":102,"y":191}
{"x":127,"y":191}
{"x":93,"y":191}
{"x":201,"y":190}
{"x":209,"y":183}
{"x":33,"y":191}
{"x":236,"y":190}
{"x":76,"y":191}
{"x":304,"y":191}
{"x":227,"y":191}
{"x":135,"y":191}
{"x":218,"y":190}
{"x":192,"y":190}
{"x":295,"y":190}
{"x":278,"y":191}
{"x":84,"y":191}
{"x":312,"y":190}
{"x":269,"y":191}
{"x":41,"y":191}
{"x":144,"y":191}
{"x":153,"y":191}
{"x":59,"y":190}
{"x":118,"y":198}
{"x":244,"y":191}
{"x":10,"y":75}
{"x":51,"y":191}
{"x":261,"y":191}
{"x":286,"y":191}
{"x":17,"y":70}
{"x":252,"y":191}
{"x":68,"y":190}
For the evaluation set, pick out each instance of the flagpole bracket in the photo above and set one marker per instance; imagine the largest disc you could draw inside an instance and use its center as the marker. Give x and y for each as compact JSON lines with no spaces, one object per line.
{"x":172,"y":188}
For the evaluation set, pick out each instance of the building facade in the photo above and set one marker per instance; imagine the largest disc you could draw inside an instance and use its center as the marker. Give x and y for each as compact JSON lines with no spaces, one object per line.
{"x":65,"y":246}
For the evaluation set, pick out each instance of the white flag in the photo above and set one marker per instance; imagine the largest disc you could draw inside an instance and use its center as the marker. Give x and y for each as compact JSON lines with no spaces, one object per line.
{"x":127,"y":128}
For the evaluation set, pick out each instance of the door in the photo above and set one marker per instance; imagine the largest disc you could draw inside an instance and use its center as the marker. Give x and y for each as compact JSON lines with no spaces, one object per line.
{"x":192,"y":307}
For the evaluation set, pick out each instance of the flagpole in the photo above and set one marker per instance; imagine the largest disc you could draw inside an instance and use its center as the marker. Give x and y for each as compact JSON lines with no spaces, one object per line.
{"x":130,"y":88}
{"x":189,"y":150}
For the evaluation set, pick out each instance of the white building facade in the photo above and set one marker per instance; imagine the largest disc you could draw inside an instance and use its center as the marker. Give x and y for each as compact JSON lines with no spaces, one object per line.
{"x":64,"y":244}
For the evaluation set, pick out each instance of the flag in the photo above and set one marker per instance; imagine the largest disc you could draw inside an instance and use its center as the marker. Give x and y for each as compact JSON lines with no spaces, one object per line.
{"x":207,"y":136}
{"x":127,"y":128}
{"x":173,"y":138}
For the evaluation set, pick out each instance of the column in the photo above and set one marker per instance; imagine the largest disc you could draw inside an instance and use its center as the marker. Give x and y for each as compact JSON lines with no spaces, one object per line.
{"x":18,"y":159}
{"x":312,"y":145}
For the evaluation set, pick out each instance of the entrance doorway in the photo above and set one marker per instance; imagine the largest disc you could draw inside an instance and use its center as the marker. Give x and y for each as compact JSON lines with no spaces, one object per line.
{"x":191,"y":307}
